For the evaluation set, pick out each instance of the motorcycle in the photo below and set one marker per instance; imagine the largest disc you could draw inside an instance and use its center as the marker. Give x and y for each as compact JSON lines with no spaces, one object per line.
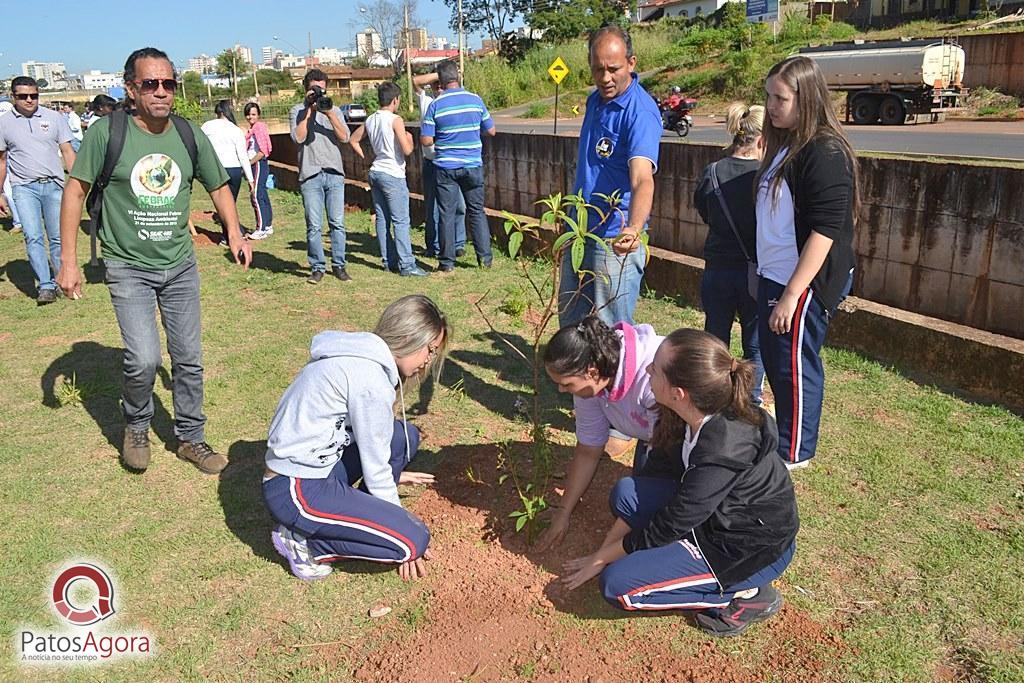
{"x":676,"y":117}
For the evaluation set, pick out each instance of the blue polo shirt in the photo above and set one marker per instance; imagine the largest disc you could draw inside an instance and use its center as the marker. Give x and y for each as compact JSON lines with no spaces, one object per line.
{"x":614,"y":132}
{"x":455,"y":120}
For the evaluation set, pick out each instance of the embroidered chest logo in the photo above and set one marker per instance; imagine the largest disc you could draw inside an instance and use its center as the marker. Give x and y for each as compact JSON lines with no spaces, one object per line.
{"x":604,"y":147}
{"x":44,"y":126}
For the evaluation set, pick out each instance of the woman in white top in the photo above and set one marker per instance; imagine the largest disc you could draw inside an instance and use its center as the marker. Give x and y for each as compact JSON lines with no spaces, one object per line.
{"x":229,"y":142}
{"x":391,"y":144}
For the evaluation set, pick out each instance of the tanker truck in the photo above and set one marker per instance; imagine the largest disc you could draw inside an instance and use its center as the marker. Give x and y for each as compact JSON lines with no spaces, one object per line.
{"x":894,"y":82}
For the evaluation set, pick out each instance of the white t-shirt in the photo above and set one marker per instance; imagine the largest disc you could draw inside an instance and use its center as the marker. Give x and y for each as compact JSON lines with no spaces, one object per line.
{"x":75,"y":124}
{"x":777,"y":253}
{"x":380,"y":130}
{"x":424,"y":101}
{"x":228,"y":142}
{"x":690,"y":440}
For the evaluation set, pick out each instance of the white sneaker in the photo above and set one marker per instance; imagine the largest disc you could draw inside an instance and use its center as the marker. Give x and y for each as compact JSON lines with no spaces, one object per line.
{"x":269,"y":229}
{"x":293,"y":548}
{"x":798,"y":465}
{"x":260,"y":234}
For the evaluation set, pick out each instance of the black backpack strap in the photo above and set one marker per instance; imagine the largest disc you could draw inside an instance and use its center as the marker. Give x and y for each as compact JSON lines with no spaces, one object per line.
{"x":115,"y":143}
{"x":725,"y":210}
{"x":188,"y":138}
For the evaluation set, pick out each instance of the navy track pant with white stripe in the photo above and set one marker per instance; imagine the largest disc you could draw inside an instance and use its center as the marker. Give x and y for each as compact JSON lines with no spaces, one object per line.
{"x":673,"y":576}
{"x":341,"y":522}
{"x":792,"y":364}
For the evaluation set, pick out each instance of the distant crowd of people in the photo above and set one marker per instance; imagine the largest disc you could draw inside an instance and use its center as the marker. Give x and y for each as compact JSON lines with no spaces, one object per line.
{"x":707,"y":520}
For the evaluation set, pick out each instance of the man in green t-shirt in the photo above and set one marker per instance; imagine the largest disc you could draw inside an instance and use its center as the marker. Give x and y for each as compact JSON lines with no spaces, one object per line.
{"x":147,"y":251}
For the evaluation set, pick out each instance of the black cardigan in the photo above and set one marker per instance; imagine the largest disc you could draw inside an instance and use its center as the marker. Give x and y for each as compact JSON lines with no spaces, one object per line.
{"x":735,"y":500}
{"x":821,"y":180}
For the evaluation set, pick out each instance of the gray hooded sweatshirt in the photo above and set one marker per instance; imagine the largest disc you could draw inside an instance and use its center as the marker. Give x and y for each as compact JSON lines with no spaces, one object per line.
{"x":345,"y":393}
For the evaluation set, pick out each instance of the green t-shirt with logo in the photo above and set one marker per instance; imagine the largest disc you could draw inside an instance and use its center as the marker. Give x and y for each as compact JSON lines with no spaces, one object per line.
{"x":145,"y":207}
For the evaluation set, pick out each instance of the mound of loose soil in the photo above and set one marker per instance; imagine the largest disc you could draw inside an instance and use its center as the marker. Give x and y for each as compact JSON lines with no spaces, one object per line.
{"x":497,"y":610}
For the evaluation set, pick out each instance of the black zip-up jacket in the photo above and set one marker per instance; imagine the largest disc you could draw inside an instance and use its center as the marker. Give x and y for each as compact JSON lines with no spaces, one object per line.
{"x":821,"y":180}
{"x":735,"y":500}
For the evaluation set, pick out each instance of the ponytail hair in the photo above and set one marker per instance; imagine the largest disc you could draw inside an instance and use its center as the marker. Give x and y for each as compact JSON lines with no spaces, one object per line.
{"x":223,"y":109}
{"x":744,"y":123}
{"x":701,"y":364}
{"x":576,"y":348}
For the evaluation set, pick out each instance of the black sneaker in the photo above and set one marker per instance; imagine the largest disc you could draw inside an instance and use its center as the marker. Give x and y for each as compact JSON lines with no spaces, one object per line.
{"x":459,"y":253}
{"x":341,"y":274}
{"x":46,"y":296}
{"x":734,"y":618}
{"x":315,"y":277}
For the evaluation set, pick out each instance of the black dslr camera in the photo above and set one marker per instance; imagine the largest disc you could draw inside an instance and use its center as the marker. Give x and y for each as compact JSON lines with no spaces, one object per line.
{"x":320,"y":99}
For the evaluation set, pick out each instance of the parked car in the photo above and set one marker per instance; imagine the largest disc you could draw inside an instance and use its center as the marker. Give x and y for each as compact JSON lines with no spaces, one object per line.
{"x":354,"y":113}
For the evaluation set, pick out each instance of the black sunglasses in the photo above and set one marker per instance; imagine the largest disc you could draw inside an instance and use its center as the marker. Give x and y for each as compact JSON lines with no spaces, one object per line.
{"x":148,"y":85}
{"x":26,"y":96}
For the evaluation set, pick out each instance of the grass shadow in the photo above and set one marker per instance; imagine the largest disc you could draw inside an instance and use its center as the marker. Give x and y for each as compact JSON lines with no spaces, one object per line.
{"x":20,"y":274}
{"x":241,"y":498}
{"x":93,"y":370}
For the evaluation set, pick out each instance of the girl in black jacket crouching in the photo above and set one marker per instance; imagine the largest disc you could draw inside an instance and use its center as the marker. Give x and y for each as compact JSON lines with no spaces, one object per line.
{"x":709,"y":524}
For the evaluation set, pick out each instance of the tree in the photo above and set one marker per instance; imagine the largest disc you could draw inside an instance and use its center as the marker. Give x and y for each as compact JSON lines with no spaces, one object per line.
{"x":230,"y":63}
{"x":387,"y":18}
{"x":492,"y":16}
{"x":566,"y":19}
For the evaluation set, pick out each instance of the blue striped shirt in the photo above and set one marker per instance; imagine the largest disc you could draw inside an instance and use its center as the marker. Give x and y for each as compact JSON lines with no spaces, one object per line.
{"x":455,"y":120}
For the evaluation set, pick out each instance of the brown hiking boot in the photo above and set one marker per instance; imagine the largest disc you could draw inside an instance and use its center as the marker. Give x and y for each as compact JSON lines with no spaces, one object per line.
{"x":135,"y":453}
{"x":202,"y":456}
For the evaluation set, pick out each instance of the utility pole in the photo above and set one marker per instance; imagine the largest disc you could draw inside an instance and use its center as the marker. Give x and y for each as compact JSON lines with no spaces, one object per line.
{"x":462,"y":40}
{"x":309,"y":38}
{"x":408,"y":56}
{"x":234,"y":71}
{"x":255,"y":82}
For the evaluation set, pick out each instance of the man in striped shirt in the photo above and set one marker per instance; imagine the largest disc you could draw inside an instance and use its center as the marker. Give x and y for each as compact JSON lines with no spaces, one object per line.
{"x":453,"y":124}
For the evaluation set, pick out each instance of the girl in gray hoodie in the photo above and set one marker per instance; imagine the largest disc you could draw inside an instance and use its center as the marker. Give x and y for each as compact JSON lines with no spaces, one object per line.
{"x":334,"y":426}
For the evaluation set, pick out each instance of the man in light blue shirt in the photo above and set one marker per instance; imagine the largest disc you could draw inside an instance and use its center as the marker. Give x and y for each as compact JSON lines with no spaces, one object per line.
{"x":618,"y":153}
{"x":30,"y":138}
{"x":453,"y":124}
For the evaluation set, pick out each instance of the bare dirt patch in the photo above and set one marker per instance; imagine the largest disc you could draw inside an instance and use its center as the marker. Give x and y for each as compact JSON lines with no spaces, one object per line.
{"x":496,"y":610}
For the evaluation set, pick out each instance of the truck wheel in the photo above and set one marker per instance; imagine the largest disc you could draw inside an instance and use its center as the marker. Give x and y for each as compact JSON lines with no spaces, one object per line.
{"x":864,"y":110}
{"x":891,"y":111}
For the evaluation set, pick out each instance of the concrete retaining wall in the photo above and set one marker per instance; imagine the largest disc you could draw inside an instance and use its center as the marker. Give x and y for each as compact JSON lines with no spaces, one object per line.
{"x":940,"y":239}
{"x":995,"y":60}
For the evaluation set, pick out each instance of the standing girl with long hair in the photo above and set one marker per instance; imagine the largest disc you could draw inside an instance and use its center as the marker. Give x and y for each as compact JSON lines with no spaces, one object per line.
{"x":807,"y":198}
{"x":711,"y":521}
{"x":335,"y":426}
{"x":257,"y":144}
{"x":725,"y":200}
{"x":229,"y":144}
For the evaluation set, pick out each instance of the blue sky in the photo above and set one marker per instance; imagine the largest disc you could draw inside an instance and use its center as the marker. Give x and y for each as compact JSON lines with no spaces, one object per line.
{"x":101,"y":34}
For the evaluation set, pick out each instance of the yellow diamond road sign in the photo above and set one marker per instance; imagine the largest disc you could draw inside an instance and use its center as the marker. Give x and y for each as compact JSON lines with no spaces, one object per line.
{"x":558,"y":70}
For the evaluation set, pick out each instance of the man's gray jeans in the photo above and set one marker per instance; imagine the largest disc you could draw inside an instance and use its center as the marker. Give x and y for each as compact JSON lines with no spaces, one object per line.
{"x":136,"y":293}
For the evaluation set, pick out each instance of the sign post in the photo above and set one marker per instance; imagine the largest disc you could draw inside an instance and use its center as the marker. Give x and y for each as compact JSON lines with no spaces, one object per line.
{"x":558,"y":71}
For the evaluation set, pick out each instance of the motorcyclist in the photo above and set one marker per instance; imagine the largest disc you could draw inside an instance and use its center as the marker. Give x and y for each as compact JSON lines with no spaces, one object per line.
{"x":671,"y":107}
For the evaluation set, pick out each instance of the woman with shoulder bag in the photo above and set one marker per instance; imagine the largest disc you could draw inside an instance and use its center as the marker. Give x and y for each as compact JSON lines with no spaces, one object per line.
{"x":725,"y":200}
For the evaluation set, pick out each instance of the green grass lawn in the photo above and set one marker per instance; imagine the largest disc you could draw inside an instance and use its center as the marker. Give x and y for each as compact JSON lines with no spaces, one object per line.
{"x":912,"y":540}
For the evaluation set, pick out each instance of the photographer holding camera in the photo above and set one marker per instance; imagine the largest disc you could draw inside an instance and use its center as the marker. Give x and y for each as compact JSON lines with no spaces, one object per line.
{"x":319,"y":130}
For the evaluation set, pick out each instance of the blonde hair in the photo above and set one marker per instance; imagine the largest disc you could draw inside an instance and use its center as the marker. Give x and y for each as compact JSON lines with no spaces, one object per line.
{"x":815,"y":117}
{"x":744,"y":123}
{"x":411,"y":323}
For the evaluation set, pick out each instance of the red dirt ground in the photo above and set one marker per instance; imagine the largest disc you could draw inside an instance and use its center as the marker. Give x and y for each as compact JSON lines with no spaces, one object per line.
{"x":499,"y":612}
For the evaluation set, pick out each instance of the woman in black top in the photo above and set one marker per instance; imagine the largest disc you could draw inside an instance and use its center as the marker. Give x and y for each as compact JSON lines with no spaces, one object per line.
{"x":726,"y":289}
{"x":710,"y":525}
{"x":806,"y":202}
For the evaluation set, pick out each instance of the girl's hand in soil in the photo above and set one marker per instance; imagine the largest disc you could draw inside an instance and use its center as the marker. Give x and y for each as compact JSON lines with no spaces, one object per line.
{"x":413,"y":569}
{"x":555,"y":533}
{"x":417,"y":478}
{"x":582,"y":569}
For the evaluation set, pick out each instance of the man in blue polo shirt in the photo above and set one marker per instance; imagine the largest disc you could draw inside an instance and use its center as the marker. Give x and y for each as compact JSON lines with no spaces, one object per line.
{"x":30,"y":139}
{"x":618,"y":153}
{"x":453,"y":124}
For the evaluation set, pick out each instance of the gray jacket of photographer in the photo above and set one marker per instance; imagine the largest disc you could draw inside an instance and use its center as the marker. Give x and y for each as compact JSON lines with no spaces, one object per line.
{"x":320,"y":151}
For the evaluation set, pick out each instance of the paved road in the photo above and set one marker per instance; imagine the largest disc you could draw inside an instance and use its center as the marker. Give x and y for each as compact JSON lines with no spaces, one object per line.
{"x":973,"y":139}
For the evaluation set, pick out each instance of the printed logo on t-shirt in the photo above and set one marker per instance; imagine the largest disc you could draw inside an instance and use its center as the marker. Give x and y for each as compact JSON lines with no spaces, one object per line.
{"x":156,"y":180}
{"x":44,"y":126}
{"x":604,"y":147}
